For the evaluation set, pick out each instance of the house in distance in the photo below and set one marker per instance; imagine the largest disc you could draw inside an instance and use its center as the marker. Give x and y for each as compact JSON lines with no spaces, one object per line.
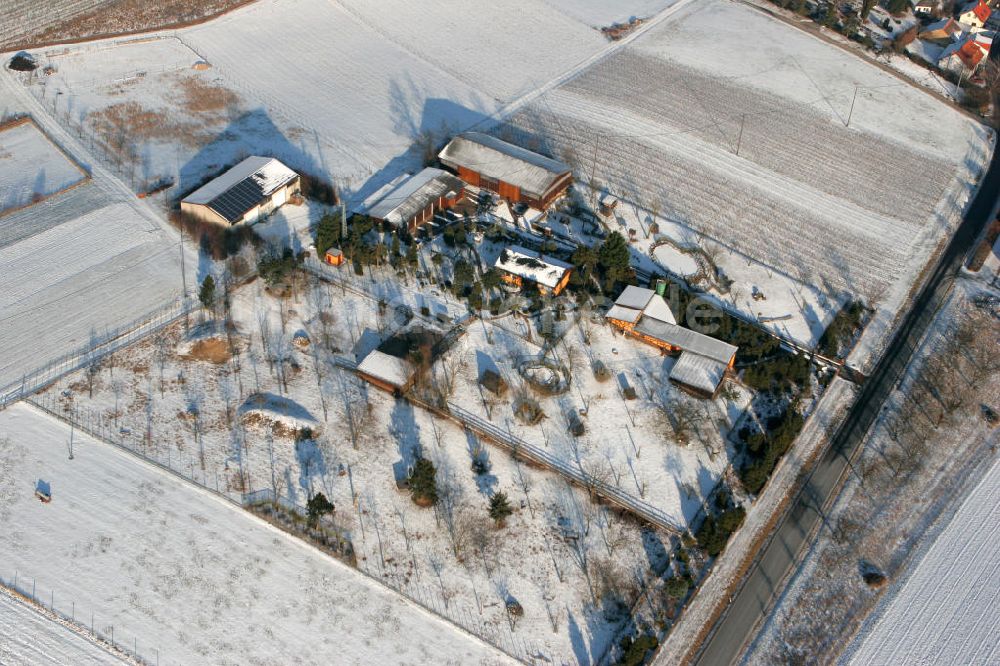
{"x":249,"y":191}
{"x":516,"y":174}
{"x":518,"y":265}
{"x":416,"y":199}
{"x":704,"y":361}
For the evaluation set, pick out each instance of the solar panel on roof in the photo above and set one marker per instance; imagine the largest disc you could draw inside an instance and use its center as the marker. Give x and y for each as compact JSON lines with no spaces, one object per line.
{"x":238,"y":199}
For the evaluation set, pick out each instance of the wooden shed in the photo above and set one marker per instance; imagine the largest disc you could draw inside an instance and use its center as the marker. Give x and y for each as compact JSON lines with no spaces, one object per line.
{"x":334,"y":256}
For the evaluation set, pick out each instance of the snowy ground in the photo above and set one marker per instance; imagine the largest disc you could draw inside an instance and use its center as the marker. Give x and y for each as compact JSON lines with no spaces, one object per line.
{"x":923,"y":623}
{"x":630,"y":443}
{"x":776,"y":179}
{"x":189,"y":577}
{"x":29,"y":638}
{"x":599,"y":13}
{"x":31,"y":167}
{"x":191,"y":410}
{"x":70,"y":265}
{"x":915,"y":468}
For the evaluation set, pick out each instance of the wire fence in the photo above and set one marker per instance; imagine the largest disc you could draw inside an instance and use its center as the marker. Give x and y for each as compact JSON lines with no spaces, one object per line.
{"x":64,"y":609}
{"x":99,"y":346}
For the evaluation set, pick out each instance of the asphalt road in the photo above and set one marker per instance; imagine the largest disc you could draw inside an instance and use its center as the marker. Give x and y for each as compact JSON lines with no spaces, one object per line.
{"x":780,"y":557}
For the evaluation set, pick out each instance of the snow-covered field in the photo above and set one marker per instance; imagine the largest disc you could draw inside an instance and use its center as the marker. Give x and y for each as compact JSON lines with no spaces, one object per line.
{"x":947,"y":610}
{"x":190,"y":577}
{"x":502,"y":49}
{"x":756,"y":145}
{"x":601,"y":13}
{"x":31,"y":167}
{"x":29,"y":638}
{"x":353,"y":86}
{"x":79,"y":263}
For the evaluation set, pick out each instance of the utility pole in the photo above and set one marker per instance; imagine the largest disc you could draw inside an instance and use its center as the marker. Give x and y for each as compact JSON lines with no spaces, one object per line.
{"x":739,"y":139}
{"x":184,"y":293}
{"x":851,"y":112}
{"x":593,"y":170}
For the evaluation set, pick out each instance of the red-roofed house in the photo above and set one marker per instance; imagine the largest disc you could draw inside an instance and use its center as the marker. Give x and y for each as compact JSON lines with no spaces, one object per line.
{"x":974,"y":15}
{"x":966,"y":54}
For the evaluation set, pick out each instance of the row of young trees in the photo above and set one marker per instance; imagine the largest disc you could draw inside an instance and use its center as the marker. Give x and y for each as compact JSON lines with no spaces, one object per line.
{"x":424,"y":491}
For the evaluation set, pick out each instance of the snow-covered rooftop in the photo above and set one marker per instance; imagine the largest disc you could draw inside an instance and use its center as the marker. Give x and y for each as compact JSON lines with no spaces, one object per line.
{"x":244,"y":186}
{"x":497,"y":159}
{"x":621,"y":313}
{"x":637,"y":300}
{"x":686,"y":339}
{"x":414,"y":194}
{"x":530,"y":265}
{"x":385,"y":367}
{"x":635,"y":297}
{"x":698,"y":371}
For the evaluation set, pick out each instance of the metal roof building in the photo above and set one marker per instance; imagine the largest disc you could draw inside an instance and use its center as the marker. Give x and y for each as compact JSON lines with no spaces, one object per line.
{"x":515,"y":173}
{"x":416,"y":199}
{"x":251,"y":189}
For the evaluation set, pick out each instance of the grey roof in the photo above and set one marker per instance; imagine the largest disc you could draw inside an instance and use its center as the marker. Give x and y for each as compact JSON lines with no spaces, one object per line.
{"x":532,"y":266}
{"x":621,"y":313}
{"x":244,"y":186}
{"x":686,"y":339}
{"x":637,"y":300}
{"x":635,"y":297}
{"x":698,"y":371}
{"x":414,"y":194}
{"x":497,"y":159}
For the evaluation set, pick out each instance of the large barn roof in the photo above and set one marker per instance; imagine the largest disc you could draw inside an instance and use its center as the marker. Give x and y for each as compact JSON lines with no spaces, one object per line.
{"x":532,"y":266}
{"x":414,"y":194}
{"x":244,"y":186}
{"x":497,"y":159}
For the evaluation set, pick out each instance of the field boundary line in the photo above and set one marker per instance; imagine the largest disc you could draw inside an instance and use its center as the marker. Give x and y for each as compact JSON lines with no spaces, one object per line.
{"x":11,"y":591}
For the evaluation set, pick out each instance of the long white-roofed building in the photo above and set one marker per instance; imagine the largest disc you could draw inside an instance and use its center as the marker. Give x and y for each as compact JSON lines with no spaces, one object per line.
{"x":249,"y":191}
{"x":516,"y":174}
{"x":416,"y":199}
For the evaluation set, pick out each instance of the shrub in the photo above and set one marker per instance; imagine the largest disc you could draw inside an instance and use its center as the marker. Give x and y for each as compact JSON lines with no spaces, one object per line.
{"x":273,"y":269}
{"x":499,"y":508}
{"x":217,"y":241}
{"x":423,"y":484}
{"x":677,"y":587}
{"x":317,"y":506}
{"x":318,"y":189}
{"x":634,"y":650}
